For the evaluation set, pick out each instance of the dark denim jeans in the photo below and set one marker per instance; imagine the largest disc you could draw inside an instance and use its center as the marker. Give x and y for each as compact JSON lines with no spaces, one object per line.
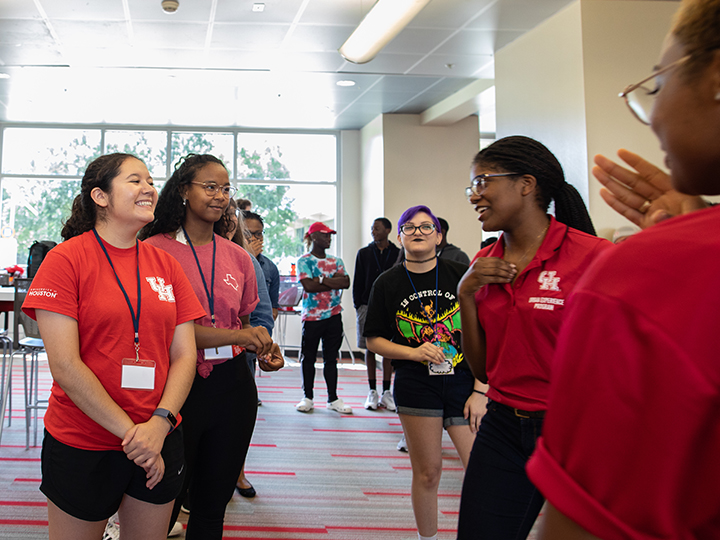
{"x":498,"y":500}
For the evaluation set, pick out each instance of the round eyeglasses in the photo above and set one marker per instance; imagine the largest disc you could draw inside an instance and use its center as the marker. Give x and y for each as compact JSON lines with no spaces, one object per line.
{"x":212,"y":189}
{"x":408,"y":229}
{"x":480,"y":182}
{"x":640,"y":97}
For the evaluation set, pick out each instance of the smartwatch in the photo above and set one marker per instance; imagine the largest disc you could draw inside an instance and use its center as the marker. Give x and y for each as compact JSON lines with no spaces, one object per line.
{"x":167,"y":415}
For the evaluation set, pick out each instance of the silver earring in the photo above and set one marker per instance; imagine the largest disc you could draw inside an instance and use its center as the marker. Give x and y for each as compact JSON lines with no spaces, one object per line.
{"x":184,"y":202}
{"x":717,"y":96}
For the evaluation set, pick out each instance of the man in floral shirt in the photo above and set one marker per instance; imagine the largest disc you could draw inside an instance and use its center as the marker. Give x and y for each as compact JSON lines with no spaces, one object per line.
{"x":323,"y":277}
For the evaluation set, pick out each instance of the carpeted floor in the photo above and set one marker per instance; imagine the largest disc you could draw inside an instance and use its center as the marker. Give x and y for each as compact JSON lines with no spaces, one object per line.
{"x":319,"y":475}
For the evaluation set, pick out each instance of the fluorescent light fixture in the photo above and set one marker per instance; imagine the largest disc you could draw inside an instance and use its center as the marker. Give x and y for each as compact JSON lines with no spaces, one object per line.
{"x":382,"y":23}
{"x":258,"y":7}
{"x":7,"y":76}
{"x":346,"y":82}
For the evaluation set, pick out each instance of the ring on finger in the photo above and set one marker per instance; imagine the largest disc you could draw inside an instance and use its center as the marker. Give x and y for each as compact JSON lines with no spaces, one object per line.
{"x":644,"y":206}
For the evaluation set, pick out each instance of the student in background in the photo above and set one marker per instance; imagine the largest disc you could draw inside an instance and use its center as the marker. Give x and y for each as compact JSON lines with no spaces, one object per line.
{"x":371,"y":261}
{"x":323,"y":278}
{"x":448,"y":251}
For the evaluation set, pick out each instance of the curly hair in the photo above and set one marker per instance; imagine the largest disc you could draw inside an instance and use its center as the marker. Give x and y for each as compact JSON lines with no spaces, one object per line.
{"x":697,"y":27}
{"x":98,"y":174}
{"x":170,"y":209}
{"x":528,"y":156}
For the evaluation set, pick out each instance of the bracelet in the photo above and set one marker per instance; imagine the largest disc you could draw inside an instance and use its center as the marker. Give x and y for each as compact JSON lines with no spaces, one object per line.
{"x":479,"y":392}
{"x":321,"y":279}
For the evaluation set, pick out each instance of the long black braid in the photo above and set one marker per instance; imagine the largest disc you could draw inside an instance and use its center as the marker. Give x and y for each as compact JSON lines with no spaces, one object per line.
{"x":170,"y":210}
{"x":524,"y":155}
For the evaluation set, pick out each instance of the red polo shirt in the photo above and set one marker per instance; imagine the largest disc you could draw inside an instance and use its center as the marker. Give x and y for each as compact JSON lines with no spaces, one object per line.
{"x":631,"y":440}
{"x":522,"y":320}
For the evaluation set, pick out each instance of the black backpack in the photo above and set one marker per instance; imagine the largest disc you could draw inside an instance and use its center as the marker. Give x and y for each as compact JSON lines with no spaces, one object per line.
{"x":38,"y":251}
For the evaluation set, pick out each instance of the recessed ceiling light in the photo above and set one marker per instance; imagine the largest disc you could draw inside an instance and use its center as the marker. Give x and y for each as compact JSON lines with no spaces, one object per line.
{"x":345,"y":83}
{"x":258,"y":7}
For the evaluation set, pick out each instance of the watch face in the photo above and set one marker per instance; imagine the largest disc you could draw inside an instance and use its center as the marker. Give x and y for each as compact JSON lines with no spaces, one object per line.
{"x":171,"y":417}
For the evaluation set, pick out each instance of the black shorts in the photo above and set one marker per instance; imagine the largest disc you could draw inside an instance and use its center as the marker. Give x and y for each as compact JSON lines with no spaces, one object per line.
{"x":419,"y":394}
{"x":90,"y":484}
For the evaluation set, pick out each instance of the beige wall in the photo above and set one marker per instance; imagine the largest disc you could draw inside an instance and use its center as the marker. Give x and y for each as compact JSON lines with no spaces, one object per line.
{"x":430,"y":165}
{"x":559,"y":84}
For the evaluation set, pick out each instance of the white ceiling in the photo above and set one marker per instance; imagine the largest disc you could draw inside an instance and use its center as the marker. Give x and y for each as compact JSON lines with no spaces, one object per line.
{"x":217,"y":63}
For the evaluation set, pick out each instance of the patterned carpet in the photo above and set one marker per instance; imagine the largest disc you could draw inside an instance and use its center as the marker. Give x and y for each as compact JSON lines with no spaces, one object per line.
{"x":319,"y":475}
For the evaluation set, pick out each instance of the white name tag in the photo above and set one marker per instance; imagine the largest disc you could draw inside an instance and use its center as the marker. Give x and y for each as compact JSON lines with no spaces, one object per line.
{"x":138,"y":375}
{"x":219,"y":353}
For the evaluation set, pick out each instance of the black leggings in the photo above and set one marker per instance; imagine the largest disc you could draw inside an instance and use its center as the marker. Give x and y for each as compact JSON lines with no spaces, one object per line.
{"x":218,"y":419}
{"x":331,"y":332}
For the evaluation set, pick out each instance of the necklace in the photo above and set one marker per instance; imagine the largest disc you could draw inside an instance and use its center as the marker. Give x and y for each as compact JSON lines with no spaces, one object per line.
{"x":423,"y":261}
{"x":521,"y":259}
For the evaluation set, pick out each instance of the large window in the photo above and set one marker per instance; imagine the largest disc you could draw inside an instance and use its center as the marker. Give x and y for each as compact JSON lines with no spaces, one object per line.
{"x":291,"y":178}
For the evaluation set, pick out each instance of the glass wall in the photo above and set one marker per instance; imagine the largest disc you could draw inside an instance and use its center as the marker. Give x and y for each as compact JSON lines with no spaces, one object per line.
{"x":291,"y":178}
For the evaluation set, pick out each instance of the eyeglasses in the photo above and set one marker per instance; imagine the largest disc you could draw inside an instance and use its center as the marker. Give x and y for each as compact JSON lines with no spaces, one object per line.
{"x":212,"y":189}
{"x":249,"y":235}
{"x":640,"y":98}
{"x":480,"y":182}
{"x":408,"y":229}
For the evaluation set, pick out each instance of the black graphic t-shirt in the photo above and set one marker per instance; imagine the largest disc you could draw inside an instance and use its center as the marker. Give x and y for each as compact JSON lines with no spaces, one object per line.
{"x":401,"y":310}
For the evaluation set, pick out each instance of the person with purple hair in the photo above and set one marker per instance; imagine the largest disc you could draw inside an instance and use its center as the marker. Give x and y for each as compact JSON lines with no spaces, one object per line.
{"x":413,"y":317}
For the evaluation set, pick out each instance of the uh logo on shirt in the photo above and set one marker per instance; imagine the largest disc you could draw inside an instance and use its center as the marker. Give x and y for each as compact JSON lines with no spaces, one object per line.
{"x":549,"y":281}
{"x":164,"y":292}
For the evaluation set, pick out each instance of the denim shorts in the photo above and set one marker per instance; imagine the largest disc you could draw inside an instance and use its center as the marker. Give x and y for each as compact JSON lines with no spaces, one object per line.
{"x":419,"y":394}
{"x":90,"y":484}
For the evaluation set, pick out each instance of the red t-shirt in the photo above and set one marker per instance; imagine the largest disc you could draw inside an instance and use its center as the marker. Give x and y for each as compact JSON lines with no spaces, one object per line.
{"x":631,"y":440}
{"x":522,"y":320}
{"x":235,"y":284}
{"x":76,"y":280}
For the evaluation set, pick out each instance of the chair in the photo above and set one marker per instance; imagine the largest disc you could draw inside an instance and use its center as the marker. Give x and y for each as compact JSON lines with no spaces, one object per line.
{"x":31,"y":345}
{"x":5,"y":381}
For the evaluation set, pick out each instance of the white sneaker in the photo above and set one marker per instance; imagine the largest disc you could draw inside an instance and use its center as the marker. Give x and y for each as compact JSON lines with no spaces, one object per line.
{"x":112,"y":531}
{"x":176,"y":530}
{"x":371,"y":403}
{"x":402,"y":445}
{"x":387,"y":401}
{"x":339,"y":406}
{"x":305,"y":405}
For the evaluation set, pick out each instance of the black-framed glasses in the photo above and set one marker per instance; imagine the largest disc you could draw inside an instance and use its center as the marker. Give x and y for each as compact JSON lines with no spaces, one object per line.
{"x":249,"y":235}
{"x":640,"y":98}
{"x":408,"y":229}
{"x":211,"y":189}
{"x":480,"y":182}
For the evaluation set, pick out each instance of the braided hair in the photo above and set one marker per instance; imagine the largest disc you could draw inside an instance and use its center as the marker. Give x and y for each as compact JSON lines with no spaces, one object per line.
{"x":528,"y":156}
{"x":99,"y":174}
{"x":170,"y":210}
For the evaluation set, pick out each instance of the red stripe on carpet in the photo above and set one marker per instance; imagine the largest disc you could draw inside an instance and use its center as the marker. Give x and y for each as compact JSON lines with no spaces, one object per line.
{"x":412,"y":529}
{"x":25,"y":522}
{"x":274,"y":529}
{"x":384,"y":457}
{"x":28,"y":480}
{"x":23,"y":503}
{"x":404,"y":468}
{"x":271,"y":473}
{"x":19,"y":458}
{"x":356,"y":431}
{"x":263,"y":445}
{"x":404,"y":494}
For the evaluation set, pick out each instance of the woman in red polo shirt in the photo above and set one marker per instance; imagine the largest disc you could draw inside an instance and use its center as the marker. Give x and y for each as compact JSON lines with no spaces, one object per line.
{"x":512,"y":303}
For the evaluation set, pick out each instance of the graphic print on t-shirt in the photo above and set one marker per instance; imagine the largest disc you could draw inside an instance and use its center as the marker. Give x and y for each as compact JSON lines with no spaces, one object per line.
{"x":414,"y":325}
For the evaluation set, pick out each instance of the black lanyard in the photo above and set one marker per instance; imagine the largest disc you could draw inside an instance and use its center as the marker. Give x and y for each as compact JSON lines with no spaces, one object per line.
{"x":211,"y":293}
{"x":432,"y":323}
{"x":377,"y":260}
{"x":135,"y":318}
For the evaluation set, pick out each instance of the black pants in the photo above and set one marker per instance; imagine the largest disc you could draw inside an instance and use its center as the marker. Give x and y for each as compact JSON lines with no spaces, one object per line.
{"x":331,"y":332}
{"x":218,"y":419}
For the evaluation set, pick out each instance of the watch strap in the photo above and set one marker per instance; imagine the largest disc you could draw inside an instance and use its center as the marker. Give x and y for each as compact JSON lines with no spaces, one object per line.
{"x":167,"y":415}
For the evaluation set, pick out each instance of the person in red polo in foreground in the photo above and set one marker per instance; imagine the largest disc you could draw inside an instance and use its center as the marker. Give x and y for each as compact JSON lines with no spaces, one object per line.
{"x":323,"y":278}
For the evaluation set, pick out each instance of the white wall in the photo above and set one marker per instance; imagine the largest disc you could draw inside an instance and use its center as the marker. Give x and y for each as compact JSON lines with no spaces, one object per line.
{"x":559,"y":83}
{"x":430,"y":165}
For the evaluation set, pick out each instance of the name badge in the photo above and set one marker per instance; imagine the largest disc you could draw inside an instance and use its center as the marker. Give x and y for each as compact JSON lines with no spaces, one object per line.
{"x":138,"y":374}
{"x":446,"y":368}
{"x":219,"y":353}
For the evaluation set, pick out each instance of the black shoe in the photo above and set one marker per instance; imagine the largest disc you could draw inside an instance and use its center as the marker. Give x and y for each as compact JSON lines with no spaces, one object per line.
{"x":259,"y":402}
{"x":248,"y":493}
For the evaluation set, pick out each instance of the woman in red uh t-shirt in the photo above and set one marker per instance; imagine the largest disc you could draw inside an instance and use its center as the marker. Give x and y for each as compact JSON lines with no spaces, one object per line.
{"x":116,"y":318}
